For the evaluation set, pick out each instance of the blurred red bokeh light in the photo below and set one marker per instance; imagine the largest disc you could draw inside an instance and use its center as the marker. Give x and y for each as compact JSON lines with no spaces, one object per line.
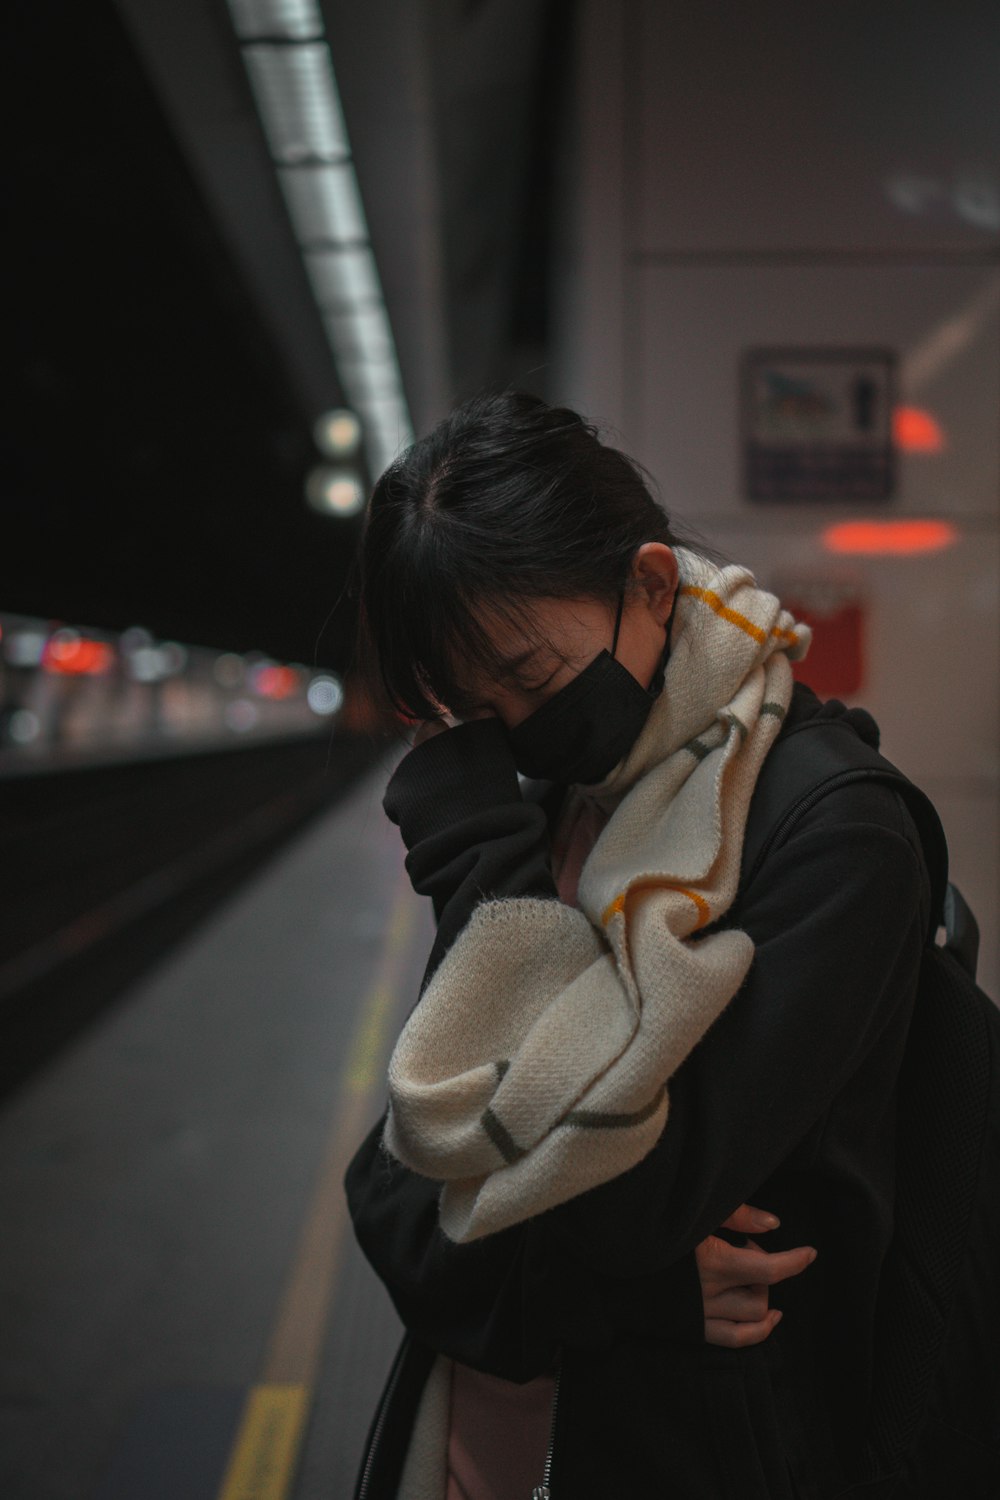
{"x":275,"y":682}
{"x":916,"y":431}
{"x":77,"y":657}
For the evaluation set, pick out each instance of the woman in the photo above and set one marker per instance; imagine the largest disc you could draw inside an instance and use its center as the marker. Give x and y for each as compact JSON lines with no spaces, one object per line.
{"x":543,"y":1206}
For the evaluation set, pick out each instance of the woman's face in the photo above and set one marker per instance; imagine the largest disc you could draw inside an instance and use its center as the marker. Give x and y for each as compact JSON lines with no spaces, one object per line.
{"x":573,"y":632}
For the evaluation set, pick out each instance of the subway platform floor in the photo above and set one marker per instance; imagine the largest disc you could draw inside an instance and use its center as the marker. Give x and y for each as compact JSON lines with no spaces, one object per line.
{"x":185,"y":1311}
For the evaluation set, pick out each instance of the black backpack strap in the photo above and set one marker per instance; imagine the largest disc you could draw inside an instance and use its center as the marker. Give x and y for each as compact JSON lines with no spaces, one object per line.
{"x":961,"y":929}
{"x":809,"y":762}
{"x":947,"y":1093}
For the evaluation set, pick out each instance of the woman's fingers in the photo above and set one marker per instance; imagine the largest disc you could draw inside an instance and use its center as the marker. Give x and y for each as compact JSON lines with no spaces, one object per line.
{"x":740,"y":1304}
{"x":729,"y":1335}
{"x":750,"y":1266}
{"x":735,"y":1279}
{"x":748,"y":1219}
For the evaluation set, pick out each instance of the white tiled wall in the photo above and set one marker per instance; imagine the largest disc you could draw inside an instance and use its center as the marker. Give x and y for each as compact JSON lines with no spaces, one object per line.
{"x":856,"y":126}
{"x":804,"y":176}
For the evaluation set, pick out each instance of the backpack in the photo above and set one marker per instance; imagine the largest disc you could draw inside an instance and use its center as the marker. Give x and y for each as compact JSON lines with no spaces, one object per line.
{"x":934,"y":1427}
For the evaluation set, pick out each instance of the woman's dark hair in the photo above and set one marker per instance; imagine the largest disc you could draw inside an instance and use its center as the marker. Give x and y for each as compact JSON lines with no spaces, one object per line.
{"x":507,"y":500}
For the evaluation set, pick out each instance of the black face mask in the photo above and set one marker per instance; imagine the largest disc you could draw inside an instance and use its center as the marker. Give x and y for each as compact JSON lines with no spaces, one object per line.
{"x":588,"y":726}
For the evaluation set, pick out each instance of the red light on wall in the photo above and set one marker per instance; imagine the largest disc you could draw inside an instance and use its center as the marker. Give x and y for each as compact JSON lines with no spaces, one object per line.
{"x":889,"y":538}
{"x":835,"y":664}
{"x":916,"y":431}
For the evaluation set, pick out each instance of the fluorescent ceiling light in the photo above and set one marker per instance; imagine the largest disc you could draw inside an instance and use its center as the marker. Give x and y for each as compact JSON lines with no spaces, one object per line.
{"x":382,"y":450}
{"x":387,"y":420}
{"x":298,"y":20}
{"x":361,"y":332}
{"x":343,"y":277}
{"x":298,"y":103}
{"x":295,"y":90}
{"x":367,"y":383}
{"x":324,"y":203}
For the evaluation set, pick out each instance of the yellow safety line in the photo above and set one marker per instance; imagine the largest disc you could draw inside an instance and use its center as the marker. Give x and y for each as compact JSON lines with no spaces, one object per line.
{"x":266,"y":1449}
{"x":262,"y":1463}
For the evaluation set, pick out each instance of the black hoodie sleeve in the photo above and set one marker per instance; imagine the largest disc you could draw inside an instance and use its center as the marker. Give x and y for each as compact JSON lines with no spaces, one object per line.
{"x":468,"y":831}
{"x":505,"y":1303}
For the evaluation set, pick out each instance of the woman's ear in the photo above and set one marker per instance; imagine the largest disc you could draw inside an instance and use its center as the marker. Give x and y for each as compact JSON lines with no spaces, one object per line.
{"x":654,"y":569}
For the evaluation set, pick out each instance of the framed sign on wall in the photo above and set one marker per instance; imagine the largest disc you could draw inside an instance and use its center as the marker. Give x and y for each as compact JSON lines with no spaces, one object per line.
{"x":817,"y":424}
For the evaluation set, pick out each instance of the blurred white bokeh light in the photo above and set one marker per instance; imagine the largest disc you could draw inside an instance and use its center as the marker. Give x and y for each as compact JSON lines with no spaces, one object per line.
{"x":229,"y":670}
{"x":337,"y":433}
{"x":325,"y":695}
{"x":23,"y":726}
{"x":134,"y":638}
{"x":24,"y":648}
{"x":335,"y":491}
{"x":241,"y":715}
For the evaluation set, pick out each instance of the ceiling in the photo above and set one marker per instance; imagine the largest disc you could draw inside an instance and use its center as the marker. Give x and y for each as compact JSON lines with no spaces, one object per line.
{"x":169,"y":356}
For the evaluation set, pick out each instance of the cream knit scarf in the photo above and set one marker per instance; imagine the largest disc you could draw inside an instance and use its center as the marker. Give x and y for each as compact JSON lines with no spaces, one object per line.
{"x":535,"y":1065}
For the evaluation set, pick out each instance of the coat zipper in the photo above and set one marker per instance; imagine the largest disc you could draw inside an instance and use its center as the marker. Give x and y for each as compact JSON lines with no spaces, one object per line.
{"x":542,"y":1491}
{"x":379,"y":1423}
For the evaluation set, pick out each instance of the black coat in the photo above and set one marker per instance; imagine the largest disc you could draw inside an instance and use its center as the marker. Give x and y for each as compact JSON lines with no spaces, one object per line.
{"x":787,"y":1102}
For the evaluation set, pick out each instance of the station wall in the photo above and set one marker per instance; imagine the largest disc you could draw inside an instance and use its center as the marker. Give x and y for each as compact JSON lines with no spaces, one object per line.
{"x":807,"y":178}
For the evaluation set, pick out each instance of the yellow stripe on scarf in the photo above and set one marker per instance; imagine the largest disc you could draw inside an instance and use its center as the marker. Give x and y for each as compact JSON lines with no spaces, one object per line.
{"x":618,"y":904}
{"x":707,"y":596}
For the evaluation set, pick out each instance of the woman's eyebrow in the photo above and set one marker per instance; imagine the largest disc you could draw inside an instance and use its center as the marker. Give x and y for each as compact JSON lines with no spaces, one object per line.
{"x":516,"y":662}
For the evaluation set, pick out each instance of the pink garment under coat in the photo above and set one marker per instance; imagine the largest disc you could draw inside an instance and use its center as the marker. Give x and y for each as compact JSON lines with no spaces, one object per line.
{"x":498,"y":1431}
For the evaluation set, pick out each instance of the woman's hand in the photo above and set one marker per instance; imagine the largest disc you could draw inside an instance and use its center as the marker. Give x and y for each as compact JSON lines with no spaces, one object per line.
{"x":734,"y":1282}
